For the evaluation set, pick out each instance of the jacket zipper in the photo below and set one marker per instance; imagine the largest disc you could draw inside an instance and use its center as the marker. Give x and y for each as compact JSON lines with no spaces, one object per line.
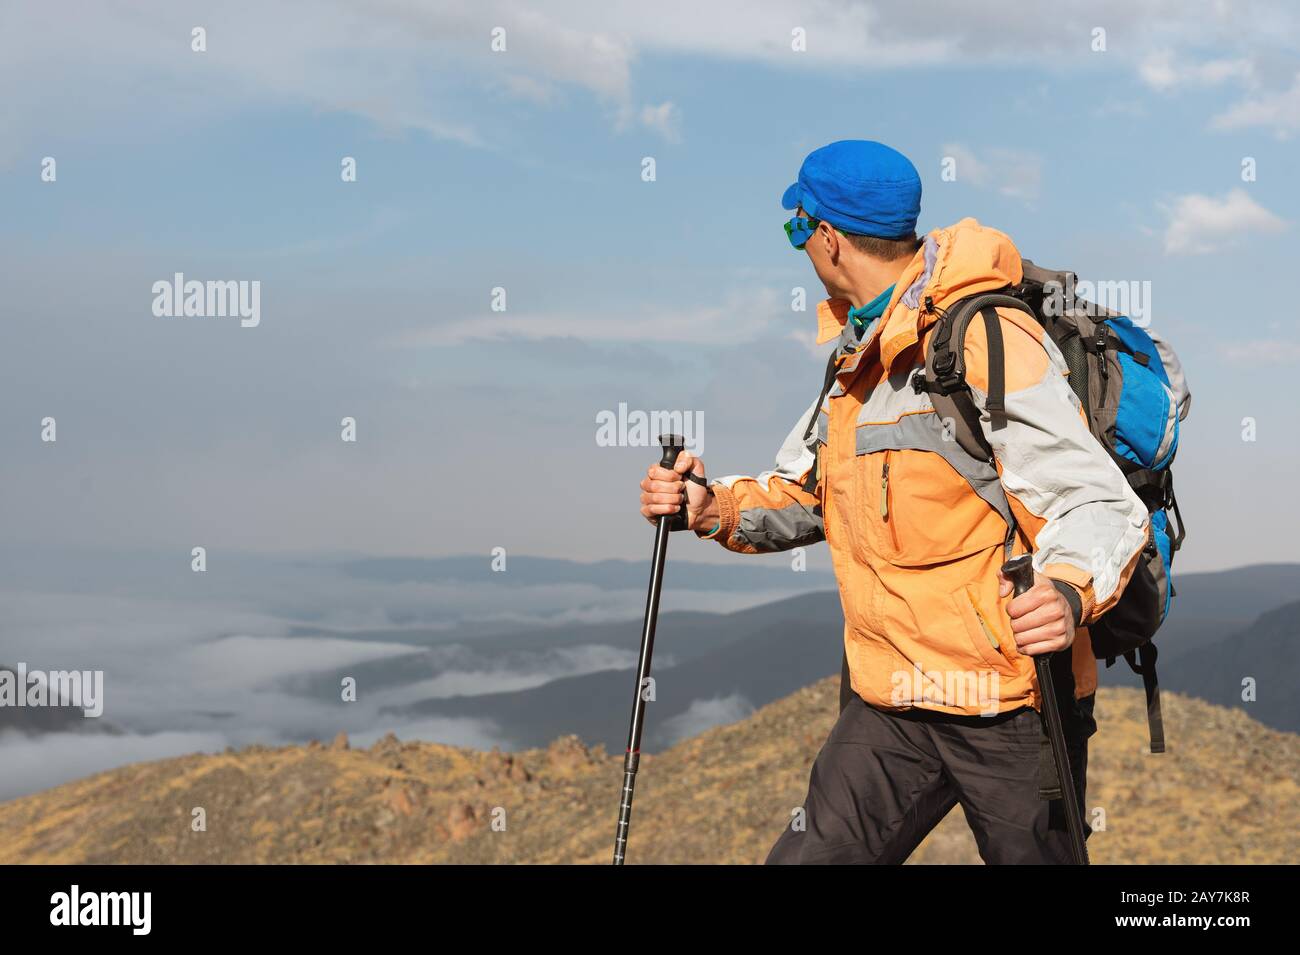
{"x":988,"y":632}
{"x":884,"y":490}
{"x":884,"y":501}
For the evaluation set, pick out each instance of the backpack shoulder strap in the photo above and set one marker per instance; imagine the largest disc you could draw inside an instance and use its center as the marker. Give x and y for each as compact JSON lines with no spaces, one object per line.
{"x":814,"y":472}
{"x":995,"y":404}
{"x":831,"y":366}
{"x":944,"y":377}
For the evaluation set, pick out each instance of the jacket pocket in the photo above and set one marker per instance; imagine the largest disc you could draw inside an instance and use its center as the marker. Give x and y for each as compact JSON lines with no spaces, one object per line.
{"x":916,"y":510}
{"x":988,"y":630}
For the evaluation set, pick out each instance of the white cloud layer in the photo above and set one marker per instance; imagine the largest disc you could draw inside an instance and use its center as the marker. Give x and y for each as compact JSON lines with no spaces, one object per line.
{"x":1278,"y":110}
{"x":1264,"y":351}
{"x":35,"y":763}
{"x":702,"y":715}
{"x":692,"y":323}
{"x":1010,"y":172}
{"x":405,"y":64}
{"x":1200,"y":224}
{"x":1163,"y":71}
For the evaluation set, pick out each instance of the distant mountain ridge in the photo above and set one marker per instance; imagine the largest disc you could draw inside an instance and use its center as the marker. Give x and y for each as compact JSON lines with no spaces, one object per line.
{"x":60,"y":718}
{"x":760,"y":654}
{"x":756,"y":655}
{"x":1256,"y":669}
{"x":755,"y":573}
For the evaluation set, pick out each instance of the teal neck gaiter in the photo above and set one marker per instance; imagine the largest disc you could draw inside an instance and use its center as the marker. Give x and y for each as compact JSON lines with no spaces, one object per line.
{"x":863,"y":318}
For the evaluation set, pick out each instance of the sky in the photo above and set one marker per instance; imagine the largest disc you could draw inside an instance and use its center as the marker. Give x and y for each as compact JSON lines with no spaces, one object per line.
{"x":1146,"y":143}
{"x":501,"y":275}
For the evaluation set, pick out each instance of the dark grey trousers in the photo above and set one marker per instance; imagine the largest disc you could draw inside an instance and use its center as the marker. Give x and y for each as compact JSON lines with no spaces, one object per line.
{"x":883,"y":780}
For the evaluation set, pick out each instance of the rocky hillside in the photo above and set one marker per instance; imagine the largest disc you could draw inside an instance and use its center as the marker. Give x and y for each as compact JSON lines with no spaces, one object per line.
{"x":1227,"y":791}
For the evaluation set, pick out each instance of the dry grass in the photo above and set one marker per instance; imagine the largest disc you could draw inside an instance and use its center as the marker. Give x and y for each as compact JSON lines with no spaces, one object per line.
{"x":1225,"y":792}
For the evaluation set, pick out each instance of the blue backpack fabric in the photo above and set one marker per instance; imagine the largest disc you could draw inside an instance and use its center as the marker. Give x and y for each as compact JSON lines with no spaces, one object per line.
{"x":1146,"y":439}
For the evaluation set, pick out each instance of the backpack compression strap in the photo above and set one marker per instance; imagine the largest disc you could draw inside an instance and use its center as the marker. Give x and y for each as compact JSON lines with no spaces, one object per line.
{"x":1143,"y":662}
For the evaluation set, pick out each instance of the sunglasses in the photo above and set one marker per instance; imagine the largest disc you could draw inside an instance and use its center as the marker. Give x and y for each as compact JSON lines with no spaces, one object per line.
{"x":800,"y":229}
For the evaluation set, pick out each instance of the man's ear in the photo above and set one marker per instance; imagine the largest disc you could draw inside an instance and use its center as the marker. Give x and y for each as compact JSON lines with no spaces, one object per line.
{"x":832,"y":241}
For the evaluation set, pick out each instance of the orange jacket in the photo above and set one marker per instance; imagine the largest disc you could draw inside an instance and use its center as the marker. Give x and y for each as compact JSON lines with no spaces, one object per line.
{"x":917,"y":528}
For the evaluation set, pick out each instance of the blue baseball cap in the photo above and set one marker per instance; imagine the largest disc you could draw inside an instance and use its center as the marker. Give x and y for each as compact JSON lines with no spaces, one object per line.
{"x":859,"y":186}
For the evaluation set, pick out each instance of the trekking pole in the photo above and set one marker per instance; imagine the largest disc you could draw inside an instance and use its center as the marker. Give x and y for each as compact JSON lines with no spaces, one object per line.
{"x":1020,"y":571}
{"x":672,"y":445}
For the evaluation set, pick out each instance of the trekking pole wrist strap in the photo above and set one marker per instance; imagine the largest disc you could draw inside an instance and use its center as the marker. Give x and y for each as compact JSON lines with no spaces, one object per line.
{"x":1072,"y":598}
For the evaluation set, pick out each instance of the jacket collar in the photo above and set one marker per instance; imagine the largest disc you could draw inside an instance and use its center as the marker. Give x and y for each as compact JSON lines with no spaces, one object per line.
{"x":961,"y":260}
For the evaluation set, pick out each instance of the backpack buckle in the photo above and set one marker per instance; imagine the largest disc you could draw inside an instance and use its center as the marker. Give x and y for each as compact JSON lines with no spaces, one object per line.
{"x":1095,"y":344}
{"x":945,"y":376}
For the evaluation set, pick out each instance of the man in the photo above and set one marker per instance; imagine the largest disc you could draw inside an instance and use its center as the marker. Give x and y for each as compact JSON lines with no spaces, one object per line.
{"x":938,"y":655}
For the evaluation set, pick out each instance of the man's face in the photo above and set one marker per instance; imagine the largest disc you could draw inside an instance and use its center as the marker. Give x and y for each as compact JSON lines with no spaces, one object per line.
{"x":824,"y":250}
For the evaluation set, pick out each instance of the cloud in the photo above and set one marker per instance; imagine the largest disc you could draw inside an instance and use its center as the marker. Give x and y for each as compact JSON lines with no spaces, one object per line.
{"x":469,"y":732}
{"x":247,"y":663}
{"x":1277,"y":110}
{"x":664,"y":119}
{"x":1009,"y":172}
{"x":534,"y":670}
{"x":1200,"y":224}
{"x":1263,"y":352}
{"x":529,"y":88}
{"x":692,"y":324}
{"x":702,"y":715}
{"x":1267,"y":102}
{"x":401,"y":65}
{"x":183,"y":673}
{"x":1120,"y":107}
{"x":407,"y":64}
{"x":35,"y":763}
{"x":1164,"y":72}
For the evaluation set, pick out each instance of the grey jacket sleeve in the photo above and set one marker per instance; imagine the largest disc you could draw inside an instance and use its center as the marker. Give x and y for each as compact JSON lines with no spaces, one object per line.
{"x":773,"y":511}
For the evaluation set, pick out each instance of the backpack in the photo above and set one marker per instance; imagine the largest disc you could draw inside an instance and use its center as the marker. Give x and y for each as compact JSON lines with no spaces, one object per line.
{"x":1131,"y":387}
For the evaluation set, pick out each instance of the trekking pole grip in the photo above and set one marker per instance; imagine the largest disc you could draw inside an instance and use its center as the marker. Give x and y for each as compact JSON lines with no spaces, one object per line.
{"x":673,"y":445}
{"x":1020,"y":571}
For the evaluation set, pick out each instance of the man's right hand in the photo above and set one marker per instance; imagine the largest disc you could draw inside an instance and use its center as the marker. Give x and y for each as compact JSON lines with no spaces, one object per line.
{"x":662,"y":490}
